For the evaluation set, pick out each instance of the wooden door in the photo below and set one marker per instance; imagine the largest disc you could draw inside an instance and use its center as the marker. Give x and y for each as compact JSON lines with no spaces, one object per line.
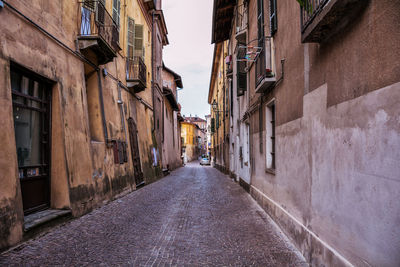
{"x":133,"y":137}
{"x":31,"y":113}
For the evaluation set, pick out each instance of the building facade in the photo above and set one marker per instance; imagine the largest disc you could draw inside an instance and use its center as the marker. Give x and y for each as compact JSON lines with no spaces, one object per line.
{"x":192,"y":141}
{"x":171,"y":141}
{"x":313,"y":114}
{"x":77,"y":109}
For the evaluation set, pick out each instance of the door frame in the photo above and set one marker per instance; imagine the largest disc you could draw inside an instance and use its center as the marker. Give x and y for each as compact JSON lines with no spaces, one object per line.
{"x":48,"y":84}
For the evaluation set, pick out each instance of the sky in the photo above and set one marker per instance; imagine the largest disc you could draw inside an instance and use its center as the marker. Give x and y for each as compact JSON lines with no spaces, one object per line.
{"x":190,"y":52}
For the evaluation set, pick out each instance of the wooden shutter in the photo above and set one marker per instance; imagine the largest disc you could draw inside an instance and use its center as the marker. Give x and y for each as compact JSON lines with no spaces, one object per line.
{"x":131,"y":38}
{"x":139,"y":48}
{"x":260,"y":22}
{"x":89,"y":4}
{"x":241,"y":77}
{"x":116,"y":11}
{"x":273,"y":17}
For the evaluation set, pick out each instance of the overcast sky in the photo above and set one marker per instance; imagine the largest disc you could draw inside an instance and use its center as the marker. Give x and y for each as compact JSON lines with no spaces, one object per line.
{"x":190,"y":51}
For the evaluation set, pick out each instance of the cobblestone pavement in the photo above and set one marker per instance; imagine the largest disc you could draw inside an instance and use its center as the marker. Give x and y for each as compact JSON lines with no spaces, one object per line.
{"x":194,"y":217}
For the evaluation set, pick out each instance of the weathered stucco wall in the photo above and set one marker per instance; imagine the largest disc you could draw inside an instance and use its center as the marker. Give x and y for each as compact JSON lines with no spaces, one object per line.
{"x":338,"y":175}
{"x":34,"y":51}
{"x":83,"y":172}
{"x":11,"y":215}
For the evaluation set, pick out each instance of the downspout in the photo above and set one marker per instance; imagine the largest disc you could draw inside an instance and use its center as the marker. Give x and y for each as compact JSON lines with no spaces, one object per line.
{"x":152,"y":69}
{"x":223,"y":102}
{"x":103,"y":115}
{"x":122,"y":112}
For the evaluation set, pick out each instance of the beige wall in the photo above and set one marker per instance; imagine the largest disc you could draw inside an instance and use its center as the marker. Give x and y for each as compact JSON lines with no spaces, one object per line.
{"x":336,"y":171}
{"x":83,"y":172}
{"x":172,"y":131}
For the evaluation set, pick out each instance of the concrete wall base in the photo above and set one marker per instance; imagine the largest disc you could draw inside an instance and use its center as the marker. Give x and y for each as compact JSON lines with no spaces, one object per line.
{"x":314,"y":250}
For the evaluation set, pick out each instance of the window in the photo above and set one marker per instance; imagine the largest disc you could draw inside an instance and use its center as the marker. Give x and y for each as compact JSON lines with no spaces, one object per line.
{"x":139,"y":48}
{"x":131,"y":38}
{"x":270,"y":135}
{"x":260,"y":22}
{"x":116,"y":11}
{"x":273,"y":17}
{"x":241,"y":76}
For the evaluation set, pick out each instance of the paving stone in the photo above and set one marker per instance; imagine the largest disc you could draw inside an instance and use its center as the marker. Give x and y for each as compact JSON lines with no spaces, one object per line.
{"x":194,"y":217}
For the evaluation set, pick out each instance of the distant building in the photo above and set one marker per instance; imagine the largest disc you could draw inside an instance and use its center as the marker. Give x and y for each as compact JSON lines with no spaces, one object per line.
{"x":171,"y":137}
{"x":198,"y":121}
{"x":194,"y":140}
{"x":208,"y":135}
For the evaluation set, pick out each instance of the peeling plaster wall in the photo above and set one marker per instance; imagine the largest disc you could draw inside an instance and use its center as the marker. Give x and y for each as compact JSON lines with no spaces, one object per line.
{"x":83,"y":172}
{"x":338,"y":175}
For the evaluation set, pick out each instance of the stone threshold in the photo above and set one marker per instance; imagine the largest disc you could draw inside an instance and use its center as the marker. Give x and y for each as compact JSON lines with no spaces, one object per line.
{"x":40,"y":218}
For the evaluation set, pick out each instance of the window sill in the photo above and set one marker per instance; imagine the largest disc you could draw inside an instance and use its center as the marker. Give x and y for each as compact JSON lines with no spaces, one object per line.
{"x":270,"y":171}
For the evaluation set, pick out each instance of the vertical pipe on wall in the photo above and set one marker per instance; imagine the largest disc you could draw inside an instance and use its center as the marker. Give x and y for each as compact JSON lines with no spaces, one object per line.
{"x":103,"y":115}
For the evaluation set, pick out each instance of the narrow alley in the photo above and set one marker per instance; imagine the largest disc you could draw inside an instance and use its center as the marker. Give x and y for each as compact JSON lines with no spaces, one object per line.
{"x":195,"y":216}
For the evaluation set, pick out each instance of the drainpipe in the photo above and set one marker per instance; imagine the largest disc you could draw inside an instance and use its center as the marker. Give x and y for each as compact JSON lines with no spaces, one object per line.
{"x":121,"y":110}
{"x":223,"y":102}
{"x":152,"y":70}
{"x":103,"y":115}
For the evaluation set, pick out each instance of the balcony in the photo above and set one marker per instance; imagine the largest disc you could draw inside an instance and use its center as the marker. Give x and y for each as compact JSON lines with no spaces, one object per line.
{"x":98,"y":34}
{"x":136,"y":74}
{"x":321,"y":19}
{"x":241,"y":23}
{"x":265,"y":67}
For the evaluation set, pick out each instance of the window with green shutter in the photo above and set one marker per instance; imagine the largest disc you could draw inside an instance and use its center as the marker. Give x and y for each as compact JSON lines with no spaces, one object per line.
{"x":116,"y":13}
{"x":131,"y":38}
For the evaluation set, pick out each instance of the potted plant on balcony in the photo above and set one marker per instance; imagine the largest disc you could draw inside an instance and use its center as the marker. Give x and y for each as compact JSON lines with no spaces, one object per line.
{"x":269,"y":73}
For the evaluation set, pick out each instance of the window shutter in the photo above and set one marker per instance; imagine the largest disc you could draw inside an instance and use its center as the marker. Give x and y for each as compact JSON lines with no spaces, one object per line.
{"x":217,"y":126}
{"x":260,"y":22}
{"x":131,"y":37}
{"x":139,"y":40}
{"x":241,"y":76}
{"x":273,"y":16}
{"x":212,"y":125}
{"x":89,"y":4}
{"x":116,"y":11}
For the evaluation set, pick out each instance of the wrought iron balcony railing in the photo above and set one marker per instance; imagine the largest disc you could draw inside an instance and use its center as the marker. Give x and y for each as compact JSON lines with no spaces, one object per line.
{"x":96,"y":23}
{"x":264,"y":63}
{"x":136,"y":71}
{"x":322,"y":19}
{"x":310,"y":10}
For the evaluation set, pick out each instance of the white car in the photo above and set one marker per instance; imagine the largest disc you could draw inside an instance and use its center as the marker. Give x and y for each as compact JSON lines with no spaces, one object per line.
{"x":204,"y":161}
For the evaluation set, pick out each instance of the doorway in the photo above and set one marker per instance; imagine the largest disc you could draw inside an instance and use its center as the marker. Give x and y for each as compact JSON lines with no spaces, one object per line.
{"x":133,"y":137}
{"x":31,"y":98}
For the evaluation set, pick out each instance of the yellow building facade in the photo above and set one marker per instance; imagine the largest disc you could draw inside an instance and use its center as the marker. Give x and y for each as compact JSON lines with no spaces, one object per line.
{"x":218,"y":98}
{"x":189,"y":141}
